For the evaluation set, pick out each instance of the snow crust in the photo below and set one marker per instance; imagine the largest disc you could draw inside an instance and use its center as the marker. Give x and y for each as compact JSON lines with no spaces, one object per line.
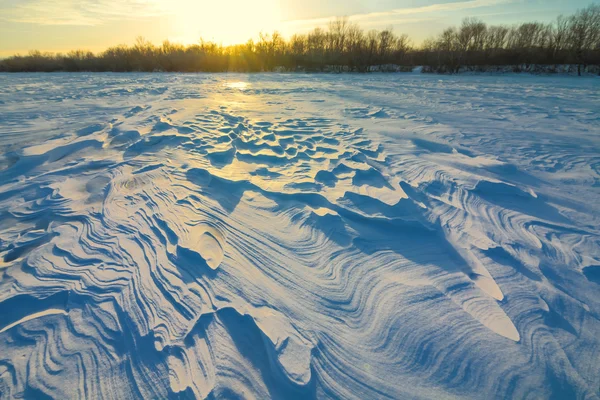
{"x":299,"y":236}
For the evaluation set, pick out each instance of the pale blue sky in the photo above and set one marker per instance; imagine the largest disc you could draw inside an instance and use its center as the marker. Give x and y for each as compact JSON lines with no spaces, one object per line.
{"x":61,"y":25}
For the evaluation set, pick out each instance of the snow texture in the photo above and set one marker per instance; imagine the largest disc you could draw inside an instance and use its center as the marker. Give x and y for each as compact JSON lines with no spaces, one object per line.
{"x":299,"y":236}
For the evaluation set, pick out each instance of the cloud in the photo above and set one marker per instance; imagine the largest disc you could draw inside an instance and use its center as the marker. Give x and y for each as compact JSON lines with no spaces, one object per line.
{"x":403,"y":15}
{"x":456,"y":6}
{"x":96,"y":12}
{"x":87,"y":12}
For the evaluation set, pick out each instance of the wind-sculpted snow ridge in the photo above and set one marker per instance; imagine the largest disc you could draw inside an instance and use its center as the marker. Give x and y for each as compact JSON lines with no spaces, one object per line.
{"x":288,"y":236}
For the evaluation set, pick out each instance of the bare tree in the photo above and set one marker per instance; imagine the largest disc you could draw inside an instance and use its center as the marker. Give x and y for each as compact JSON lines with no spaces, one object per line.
{"x":560,"y":35}
{"x":338,"y":29}
{"x":386,"y":42}
{"x":584,"y":34}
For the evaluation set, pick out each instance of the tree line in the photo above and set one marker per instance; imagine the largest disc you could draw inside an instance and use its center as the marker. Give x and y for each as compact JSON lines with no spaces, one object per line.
{"x":344,"y":46}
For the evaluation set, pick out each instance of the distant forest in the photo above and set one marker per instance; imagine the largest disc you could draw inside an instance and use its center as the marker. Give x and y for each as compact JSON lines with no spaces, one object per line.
{"x":344,"y":46}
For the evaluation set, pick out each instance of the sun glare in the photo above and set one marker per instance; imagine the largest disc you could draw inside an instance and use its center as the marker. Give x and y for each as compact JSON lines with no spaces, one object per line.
{"x":225,"y":21}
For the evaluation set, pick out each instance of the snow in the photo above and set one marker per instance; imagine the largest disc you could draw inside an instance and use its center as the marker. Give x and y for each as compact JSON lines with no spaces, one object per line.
{"x":299,"y":236}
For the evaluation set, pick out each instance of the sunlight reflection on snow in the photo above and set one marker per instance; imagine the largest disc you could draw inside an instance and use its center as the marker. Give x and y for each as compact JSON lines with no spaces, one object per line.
{"x":237,"y":85}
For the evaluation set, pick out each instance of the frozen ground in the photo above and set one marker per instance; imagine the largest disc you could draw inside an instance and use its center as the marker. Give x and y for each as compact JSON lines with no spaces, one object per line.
{"x":299,"y":236}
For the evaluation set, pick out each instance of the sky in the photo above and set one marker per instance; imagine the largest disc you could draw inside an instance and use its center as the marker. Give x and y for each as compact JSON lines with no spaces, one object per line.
{"x":63,"y":25}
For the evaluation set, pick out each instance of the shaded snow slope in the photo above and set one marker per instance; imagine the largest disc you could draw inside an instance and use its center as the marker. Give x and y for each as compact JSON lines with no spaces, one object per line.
{"x":289,"y":236}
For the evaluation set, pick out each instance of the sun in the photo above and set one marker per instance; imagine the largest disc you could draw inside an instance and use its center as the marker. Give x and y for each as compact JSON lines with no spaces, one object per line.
{"x":224,"y":21}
